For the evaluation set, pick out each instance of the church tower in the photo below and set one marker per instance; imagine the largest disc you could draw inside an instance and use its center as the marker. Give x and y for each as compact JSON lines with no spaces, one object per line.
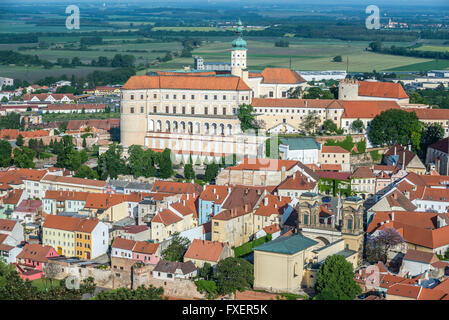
{"x":238,"y":53}
{"x":308,"y":209}
{"x":352,"y":225}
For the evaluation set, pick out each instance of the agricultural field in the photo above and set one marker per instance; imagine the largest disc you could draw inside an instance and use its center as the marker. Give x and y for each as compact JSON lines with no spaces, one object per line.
{"x":433,"y":48}
{"x":37,"y":73}
{"x":305,"y":54}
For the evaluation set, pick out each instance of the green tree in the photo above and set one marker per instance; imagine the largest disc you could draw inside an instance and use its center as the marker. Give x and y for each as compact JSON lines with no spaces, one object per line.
{"x":207,"y":286}
{"x":84,"y":143}
{"x":294,"y":93}
{"x":4,"y":99}
{"x":19,"y":141}
{"x":86,"y":172}
{"x":141,"y":293}
{"x":415,"y":97}
{"x":329,"y":126}
{"x":135,"y":162}
{"x":165,"y":164}
{"x":211,"y":172}
{"x":318,"y":93}
{"x":431,"y":133}
{"x":111,"y":163}
{"x":310,"y":123}
{"x":177,"y":248}
{"x":246,"y":117}
{"x":337,"y":59}
{"x":189,"y":173}
{"x":23,"y":157}
{"x":5,"y":153}
{"x":394,"y":126}
{"x":335,"y":280}
{"x":232,"y":274}
{"x":357,"y":125}
{"x":206,"y":272}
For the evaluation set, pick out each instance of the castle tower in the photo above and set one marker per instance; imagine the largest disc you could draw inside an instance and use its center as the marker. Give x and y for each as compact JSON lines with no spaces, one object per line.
{"x":348,"y":89}
{"x":352,"y":225}
{"x":308,"y":209}
{"x":238,"y":53}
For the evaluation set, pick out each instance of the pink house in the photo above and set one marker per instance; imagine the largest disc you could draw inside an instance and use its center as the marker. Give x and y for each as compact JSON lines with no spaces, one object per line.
{"x":32,"y":259}
{"x":146,"y":252}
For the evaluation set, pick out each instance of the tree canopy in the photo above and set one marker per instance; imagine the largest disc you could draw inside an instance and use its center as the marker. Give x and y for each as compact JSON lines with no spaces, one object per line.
{"x":5,"y":153}
{"x":335,"y":280}
{"x":232,"y":274}
{"x":246,"y":117}
{"x":177,"y":248}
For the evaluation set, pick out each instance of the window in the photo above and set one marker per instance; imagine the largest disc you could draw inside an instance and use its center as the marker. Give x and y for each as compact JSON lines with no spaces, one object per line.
{"x":132,"y":97}
{"x":154,"y":109}
{"x":132,"y":110}
{"x":174,"y":109}
{"x":141,"y":109}
{"x":183,"y":110}
{"x":205,"y":110}
{"x":183,"y":97}
{"x":193,"y":97}
{"x":154,"y":96}
{"x":206,"y":97}
{"x":215,"y":97}
{"x":215,"y":110}
{"x":224,"y":97}
{"x":193,"y":110}
{"x":141,"y":97}
{"x":166,"y":109}
{"x":166,"y":96}
{"x":224,"y":111}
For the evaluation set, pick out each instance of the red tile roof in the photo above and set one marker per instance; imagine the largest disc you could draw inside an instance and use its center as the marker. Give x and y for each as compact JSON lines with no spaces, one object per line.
{"x":281,"y":76}
{"x":382,"y":90}
{"x":296,"y":103}
{"x":7,"y":225}
{"x":167,"y":217}
{"x":272,"y":229}
{"x":176,"y":187}
{"x":70,"y":223}
{"x":297,"y":182}
{"x":217,"y":194}
{"x":331,"y":167}
{"x":405,"y":290}
{"x":359,"y":109}
{"x":257,"y":164}
{"x":36,"y":252}
{"x":333,"y":149}
{"x":145,"y":247}
{"x":187,"y":83}
{"x":66,"y":195}
{"x":205,"y":250}
{"x":272,"y":205}
{"x":122,"y":243}
{"x":75,"y":181}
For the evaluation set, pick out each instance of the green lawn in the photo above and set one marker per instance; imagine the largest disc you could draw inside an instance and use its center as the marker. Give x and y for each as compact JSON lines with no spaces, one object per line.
{"x":433,"y":48}
{"x":42,"y":283}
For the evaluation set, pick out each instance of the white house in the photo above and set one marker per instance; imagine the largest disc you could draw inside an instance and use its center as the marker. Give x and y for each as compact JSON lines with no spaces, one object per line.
{"x":167,"y":270}
{"x":305,"y":150}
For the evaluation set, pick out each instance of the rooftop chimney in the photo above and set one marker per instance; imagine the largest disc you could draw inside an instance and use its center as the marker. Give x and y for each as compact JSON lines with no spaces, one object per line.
{"x":265,"y":201}
{"x":215,"y":191}
{"x":392,"y":216}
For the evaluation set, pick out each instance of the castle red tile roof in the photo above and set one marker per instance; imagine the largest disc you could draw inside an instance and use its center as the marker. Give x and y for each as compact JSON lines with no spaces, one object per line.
{"x":186,"y":83}
{"x":382,"y":90}
{"x":359,"y":109}
{"x":205,"y":250}
{"x":296,"y":103}
{"x":281,"y":76}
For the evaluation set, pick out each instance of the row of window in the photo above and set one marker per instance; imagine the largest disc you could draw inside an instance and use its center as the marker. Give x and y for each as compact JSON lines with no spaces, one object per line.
{"x":288,"y":111}
{"x":183,"y":110}
{"x":206,"y":97}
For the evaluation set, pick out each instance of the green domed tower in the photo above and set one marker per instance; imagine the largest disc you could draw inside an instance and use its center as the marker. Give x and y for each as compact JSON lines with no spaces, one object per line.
{"x":238,"y":53}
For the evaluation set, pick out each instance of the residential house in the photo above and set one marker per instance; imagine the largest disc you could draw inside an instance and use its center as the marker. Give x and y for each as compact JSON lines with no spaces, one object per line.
{"x":335,"y":155}
{"x":211,"y":201}
{"x":55,"y":202}
{"x":63,"y":183}
{"x":305,"y":150}
{"x":28,"y":211}
{"x":437,"y":156}
{"x":167,"y":270}
{"x":297,"y":184}
{"x":363,"y":182}
{"x":31,"y":261}
{"x":402,"y":157}
{"x":204,"y":251}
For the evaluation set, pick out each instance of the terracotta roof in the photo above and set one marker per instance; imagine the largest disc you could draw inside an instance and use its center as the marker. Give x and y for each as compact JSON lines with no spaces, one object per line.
{"x":431,"y":294}
{"x":145,"y":247}
{"x":13,"y":197}
{"x":272,"y":229}
{"x":70,"y":223}
{"x":257,"y":164}
{"x":334,"y":175}
{"x":404,"y":290}
{"x":331,"y":167}
{"x":104,"y":124}
{"x":281,"y":76}
{"x":44,"y":96}
{"x":360,"y":109}
{"x":205,"y":250}
{"x":217,"y":194}
{"x":122,"y":243}
{"x":103,"y":200}
{"x":333,"y":149}
{"x":421,"y":256}
{"x":232,"y":213}
{"x":241,"y":196}
{"x":75,"y":181}
{"x":135,"y":229}
{"x":73,"y":106}
{"x":7,"y":225}
{"x":441,"y":145}
{"x":167,"y":217}
{"x":186,"y":206}
{"x":382,"y":90}
{"x":296,"y":103}
{"x":36,"y":252}
{"x":176,"y":187}
{"x":297,"y":181}
{"x":186,"y":82}
{"x":388,"y":280}
{"x":272,"y":205}
{"x":363,"y":173}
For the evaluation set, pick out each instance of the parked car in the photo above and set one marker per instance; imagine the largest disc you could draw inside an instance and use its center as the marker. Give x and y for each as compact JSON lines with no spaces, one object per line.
{"x":326,"y":199}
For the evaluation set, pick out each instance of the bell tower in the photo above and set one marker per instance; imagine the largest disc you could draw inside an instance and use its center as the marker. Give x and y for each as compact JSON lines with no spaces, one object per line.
{"x":308,"y":209}
{"x":238,"y":52}
{"x":352,"y":225}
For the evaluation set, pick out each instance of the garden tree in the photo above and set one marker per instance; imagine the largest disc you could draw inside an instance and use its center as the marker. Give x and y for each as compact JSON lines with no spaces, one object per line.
{"x":189,"y":173}
{"x":11,"y":121}
{"x":232,"y":274}
{"x":4,"y":99}
{"x":111,"y":163}
{"x":211,"y":172}
{"x":37,"y":146}
{"x":23,"y":157}
{"x":51,"y":271}
{"x":207,"y":286}
{"x":206,"y":272}
{"x":5,"y":153}
{"x":310,"y":123}
{"x":86,"y":172}
{"x":361,"y":146}
{"x":135,"y":162}
{"x":150,"y":158}
{"x":294,"y":93}
{"x":329,"y":126}
{"x":165,"y":164}
{"x":318,"y":93}
{"x":141,"y":293}
{"x":358,"y":125}
{"x":246,"y":117}
{"x":337,"y":59}
{"x":335,"y":280}
{"x":378,"y":246}
{"x":416,"y":97}
{"x":13,"y":287}
{"x":431,"y":133}
{"x":395,"y":126}
{"x":84,"y":143}
{"x":19,"y":140}
{"x":177,"y":248}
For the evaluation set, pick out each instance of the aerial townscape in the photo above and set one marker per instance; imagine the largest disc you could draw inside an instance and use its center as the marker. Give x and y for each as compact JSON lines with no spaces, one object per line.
{"x":217,"y":171}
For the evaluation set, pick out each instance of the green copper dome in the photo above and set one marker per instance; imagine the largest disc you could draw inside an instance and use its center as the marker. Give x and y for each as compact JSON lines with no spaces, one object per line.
{"x":239,"y":43}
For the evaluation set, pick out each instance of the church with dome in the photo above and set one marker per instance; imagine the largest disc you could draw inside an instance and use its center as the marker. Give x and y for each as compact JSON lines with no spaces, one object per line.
{"x":195,"y":113}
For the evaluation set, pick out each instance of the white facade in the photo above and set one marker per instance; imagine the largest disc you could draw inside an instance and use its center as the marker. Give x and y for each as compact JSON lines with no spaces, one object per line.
{"x":307,"y":156}
{"x":415,"y":268}
{"x":100,"y":240}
